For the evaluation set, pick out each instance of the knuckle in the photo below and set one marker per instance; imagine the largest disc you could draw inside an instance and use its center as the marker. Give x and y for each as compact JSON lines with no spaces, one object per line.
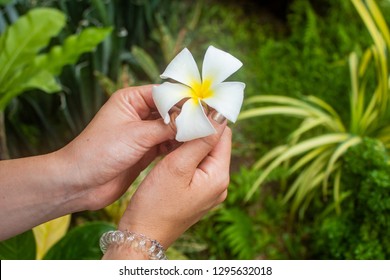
{"x":226,"y":181}
{"x":176,"y":168}
{"x":210,"y":141}
{"x":222,"y":197}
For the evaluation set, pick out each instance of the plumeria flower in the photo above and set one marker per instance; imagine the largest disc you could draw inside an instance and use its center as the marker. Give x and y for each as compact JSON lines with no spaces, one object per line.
{"x":199,"y":91}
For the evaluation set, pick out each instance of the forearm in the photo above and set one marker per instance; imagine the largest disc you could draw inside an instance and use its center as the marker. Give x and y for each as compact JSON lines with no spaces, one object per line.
{"x":34,"y":190}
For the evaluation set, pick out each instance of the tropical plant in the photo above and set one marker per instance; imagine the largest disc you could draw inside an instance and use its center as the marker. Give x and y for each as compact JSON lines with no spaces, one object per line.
{"x":314,"y":150}
{"x":360,"y":231}
{"x":38,"y":123}
{"x":240,"y":229}
{"x":67,"y":246}
{"x":25,"y":68}
{"x":169,"y":41}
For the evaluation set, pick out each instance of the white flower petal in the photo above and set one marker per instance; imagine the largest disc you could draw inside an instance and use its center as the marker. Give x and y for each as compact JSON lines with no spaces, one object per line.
{"x":183,"y":69}
{"x":192,"y":122}
{"x":218,"y":65}
{"x":168,"y":94}
{"x":227,"y":99}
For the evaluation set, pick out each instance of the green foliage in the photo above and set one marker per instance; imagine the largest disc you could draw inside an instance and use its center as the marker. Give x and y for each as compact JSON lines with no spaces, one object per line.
{"x":248,"y":230}
{"x":38,"y":123}
{"x":20,"y":247}
{"x":147,"y":63}
{"x":71,"y":49}
{"x":238,"y":231}
{"x":319,"y":143}
{"x":19,"y":46}
{"x":361,"y":230}
{"x":27,"y":67}
{"x":23,"y":68}
{"x":5,"y":2}
{"x":80,"y":243}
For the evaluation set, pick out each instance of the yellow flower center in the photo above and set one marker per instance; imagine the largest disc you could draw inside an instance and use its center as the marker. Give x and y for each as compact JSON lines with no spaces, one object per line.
{"x":201,"y":90}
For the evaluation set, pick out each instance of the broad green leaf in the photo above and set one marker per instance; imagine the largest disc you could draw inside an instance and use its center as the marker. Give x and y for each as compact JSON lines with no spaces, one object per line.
{"x":23,"y":39}
{"x":5,"y":2}
{"x":80,"y":243}
{"x":20,"y":247}
{"x":49,"y":233}
{"x":147,"y":63}
{"x":43,"y":80}
{"x":70,"y":51}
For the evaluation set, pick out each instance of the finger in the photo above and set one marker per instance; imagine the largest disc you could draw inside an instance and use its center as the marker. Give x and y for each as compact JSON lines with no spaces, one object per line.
{"x":150,"y":133}
{"x":220,"y":155}
{"x":189,"y":155}
{"x":168,"y":147}
{"x":140,"y":98}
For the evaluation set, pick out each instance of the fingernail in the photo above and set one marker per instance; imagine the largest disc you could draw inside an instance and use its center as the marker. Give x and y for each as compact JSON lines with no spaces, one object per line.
{"x":174,"y":112}
{"x":218,"y":117}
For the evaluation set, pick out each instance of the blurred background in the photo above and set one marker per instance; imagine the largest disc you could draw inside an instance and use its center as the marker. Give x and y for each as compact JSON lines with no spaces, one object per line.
{"x":310,"y":170}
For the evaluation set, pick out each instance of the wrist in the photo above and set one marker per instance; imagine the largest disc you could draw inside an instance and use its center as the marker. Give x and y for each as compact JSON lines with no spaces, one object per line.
{"x":130,"y":245}
{"x":65,"y":173}
{"x":116,"y":252}
{"x":164,"y":234}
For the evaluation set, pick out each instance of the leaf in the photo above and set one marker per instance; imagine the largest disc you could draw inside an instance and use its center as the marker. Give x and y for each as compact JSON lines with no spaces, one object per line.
{"x":81,"y":243}
{"x":147,"y":63}
{"x":70,"y":51}
{"x":238,"y":233}
{"x":341,"y":149}
{"x":20,"y":247}
{"x":300,"y":148}
{"x":306,"y":158}
{"x":379,"y":20}
{"x":166,"y":40}
{"x":306,"y":125}
{"x":47,"y":234}
{"x":43,"y":80}
{"x":274,"y":110}
{"x":305,"y":175}
{"x":23,"y":39}
{"x":5,"y":2}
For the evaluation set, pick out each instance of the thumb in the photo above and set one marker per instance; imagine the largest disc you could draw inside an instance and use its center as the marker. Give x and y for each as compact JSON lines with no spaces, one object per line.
{"x":149,"y":133}
{"x":189,"y":155}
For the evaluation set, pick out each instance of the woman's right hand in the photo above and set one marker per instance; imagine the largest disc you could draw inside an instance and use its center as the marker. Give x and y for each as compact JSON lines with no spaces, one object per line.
{"x":179,"y":190}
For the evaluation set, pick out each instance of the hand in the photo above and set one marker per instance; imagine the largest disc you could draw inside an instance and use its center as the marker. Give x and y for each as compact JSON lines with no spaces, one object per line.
{"x":115,"y":147}
{"x":181,"y":188}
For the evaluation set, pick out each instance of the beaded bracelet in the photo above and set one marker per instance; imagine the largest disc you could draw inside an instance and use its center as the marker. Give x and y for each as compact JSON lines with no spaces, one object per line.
{"x":136,"y":241}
